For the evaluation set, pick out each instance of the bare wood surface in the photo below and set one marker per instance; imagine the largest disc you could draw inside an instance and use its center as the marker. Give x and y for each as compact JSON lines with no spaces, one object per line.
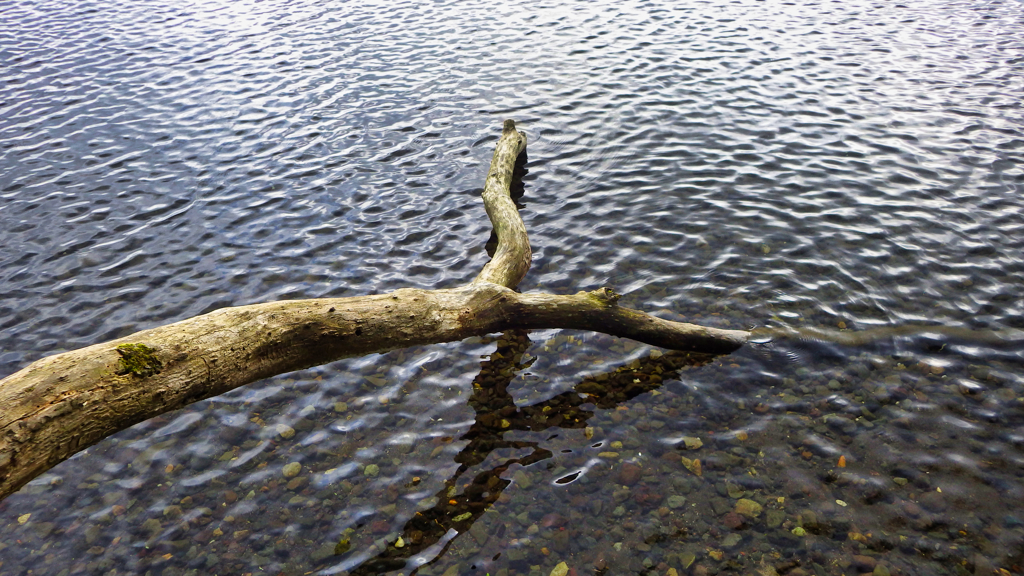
{"x":511,"y":260}
{"x":64,"y":403}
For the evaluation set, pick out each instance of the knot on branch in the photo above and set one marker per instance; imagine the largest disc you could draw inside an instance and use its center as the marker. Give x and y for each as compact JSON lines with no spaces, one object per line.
{"x":606,"y":296}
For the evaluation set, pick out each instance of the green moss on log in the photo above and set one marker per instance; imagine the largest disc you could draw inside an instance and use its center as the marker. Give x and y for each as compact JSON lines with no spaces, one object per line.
{"x":138,"y":359}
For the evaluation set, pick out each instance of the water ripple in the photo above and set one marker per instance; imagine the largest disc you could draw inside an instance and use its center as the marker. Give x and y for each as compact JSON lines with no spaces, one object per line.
{"x":818,"y":165}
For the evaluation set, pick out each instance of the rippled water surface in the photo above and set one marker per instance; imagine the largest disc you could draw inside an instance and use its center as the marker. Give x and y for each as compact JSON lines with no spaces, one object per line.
{"x":850,"y":167}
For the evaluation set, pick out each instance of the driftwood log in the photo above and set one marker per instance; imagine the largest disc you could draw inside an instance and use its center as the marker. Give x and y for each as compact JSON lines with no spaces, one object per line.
{"x":64,"y":403}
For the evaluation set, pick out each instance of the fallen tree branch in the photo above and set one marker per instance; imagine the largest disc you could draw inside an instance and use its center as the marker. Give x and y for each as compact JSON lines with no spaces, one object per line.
{"x":64,"y":403}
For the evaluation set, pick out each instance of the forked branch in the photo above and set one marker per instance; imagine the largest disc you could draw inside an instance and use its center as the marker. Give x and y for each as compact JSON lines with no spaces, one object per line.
{"x":64,"y":403}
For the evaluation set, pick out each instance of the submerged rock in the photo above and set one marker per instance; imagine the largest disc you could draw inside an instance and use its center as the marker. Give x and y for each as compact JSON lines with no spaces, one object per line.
{"x":748,"y":508}
{"x":629,"y":474}
{"x":676,"y":501}
{"x":291,"y":469}
{"x":285,"y":431}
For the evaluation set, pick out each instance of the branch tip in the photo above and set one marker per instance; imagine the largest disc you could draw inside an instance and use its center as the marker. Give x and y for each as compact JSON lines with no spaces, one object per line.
{"x":606,"y":296}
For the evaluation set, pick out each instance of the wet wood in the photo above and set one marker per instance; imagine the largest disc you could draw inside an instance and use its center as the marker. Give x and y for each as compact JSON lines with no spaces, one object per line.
{"x":62,"y":404}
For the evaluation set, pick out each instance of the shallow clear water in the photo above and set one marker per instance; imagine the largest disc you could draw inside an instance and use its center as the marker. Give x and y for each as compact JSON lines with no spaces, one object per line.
{"x":836,"y":165}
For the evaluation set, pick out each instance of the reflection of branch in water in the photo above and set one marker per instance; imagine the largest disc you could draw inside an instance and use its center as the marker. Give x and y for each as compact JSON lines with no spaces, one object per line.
{"x":1008,"y":337}
{"x":1007,"y":344}
{"x":496,"y":414}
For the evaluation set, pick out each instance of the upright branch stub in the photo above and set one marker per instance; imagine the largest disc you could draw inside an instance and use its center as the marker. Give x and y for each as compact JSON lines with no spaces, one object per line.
{"x":512,"y":258}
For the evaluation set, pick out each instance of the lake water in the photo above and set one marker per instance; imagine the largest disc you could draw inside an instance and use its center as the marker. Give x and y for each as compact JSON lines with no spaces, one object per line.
{"x":851,"y":167}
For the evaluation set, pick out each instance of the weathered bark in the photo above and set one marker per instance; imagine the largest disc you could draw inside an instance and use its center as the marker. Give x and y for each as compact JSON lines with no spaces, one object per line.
{"x":511,"y":261}
{"x":64,"y":403}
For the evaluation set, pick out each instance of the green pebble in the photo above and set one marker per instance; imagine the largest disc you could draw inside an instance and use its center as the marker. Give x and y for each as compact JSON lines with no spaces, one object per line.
{"x":731,"y":540}
{"x":152,"y":525}
{"x":292,"y":469}
{"x":775,"y":518}
{"x":676,"y":501}
{"x":748,"y":508}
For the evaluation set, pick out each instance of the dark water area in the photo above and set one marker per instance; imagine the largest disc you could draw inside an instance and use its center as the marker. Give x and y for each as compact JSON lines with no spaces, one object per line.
{"x":844,"y":176}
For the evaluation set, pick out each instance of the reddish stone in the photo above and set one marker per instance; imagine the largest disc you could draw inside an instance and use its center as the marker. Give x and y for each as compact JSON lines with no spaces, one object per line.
{"x":864,"y":563}
{"x":647,"y":495}
{"x":912,"y":509}
{"x":629,"y":474}
{"x":553,"y":520}
{"x":733,"y":521}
